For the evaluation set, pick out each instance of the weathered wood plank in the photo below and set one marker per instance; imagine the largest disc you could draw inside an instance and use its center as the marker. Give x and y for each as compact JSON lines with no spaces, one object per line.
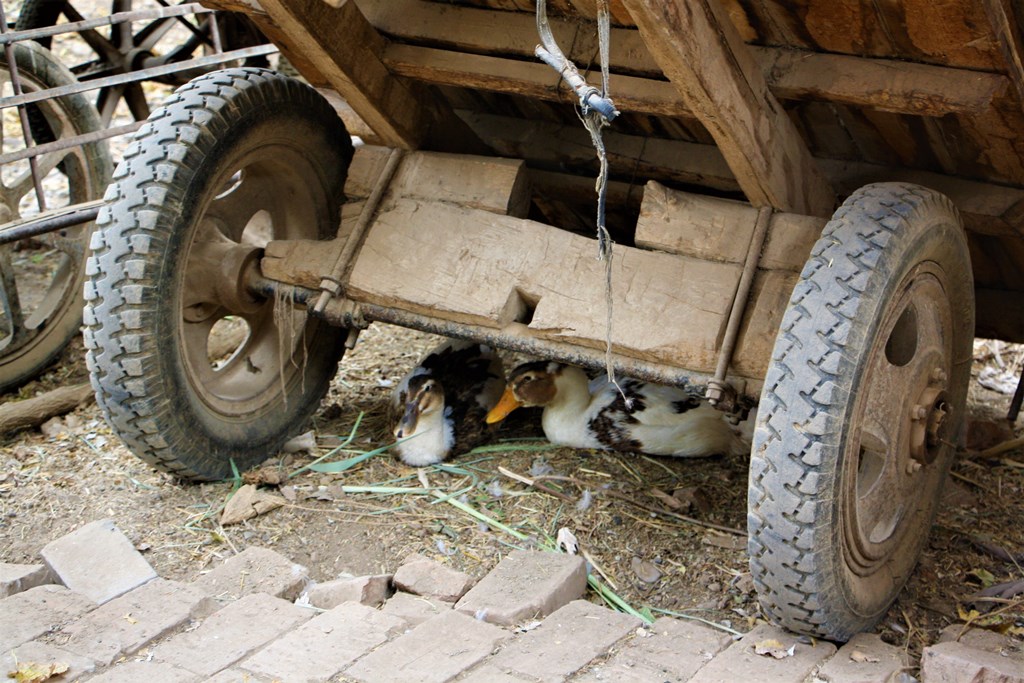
{"x":473,"y":267}
{"x":720,"y":229}
{"x":702,"y":54}
{"x":1006,"y":24}
{"x":345,"y":48}
{"x":888,"y":85}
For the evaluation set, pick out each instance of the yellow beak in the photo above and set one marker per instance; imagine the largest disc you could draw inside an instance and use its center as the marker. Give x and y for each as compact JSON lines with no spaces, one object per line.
{"x":506,"y":404}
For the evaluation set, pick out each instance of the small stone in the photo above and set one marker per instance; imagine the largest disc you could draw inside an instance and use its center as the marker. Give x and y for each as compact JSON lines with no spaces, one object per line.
{"x":15,"y":578}
{"x":644,"y":570}
{"x":249,"y":502}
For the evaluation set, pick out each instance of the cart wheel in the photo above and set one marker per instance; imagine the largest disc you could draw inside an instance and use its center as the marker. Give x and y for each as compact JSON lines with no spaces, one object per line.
{"x":124,"y":49}
{"x":232,"y":160}
{"x":858,"y":415}
{"x":41,"y":278}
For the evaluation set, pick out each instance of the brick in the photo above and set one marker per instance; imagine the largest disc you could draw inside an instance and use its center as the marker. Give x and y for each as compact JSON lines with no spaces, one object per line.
{"x":367,"y":590}
{"x":236,"y":631}
{"x":954,"y":662}
{"x":255,"y":570}
{"x":98,"y":561}
{"x":866,"y":658}
{"x":740,"y":663}
{"x":423,"y":576}
{"x":150,"y":672}
{"x":673,"y":651}
{"x":526,"y":584}
{"x":435,"y":651}
{"x":324,"y":646}
{"x":44,"y":654}
{"x":982,"y":639}
{"x":485,"y":673}
{"x":128,"y":623}
{"x":234,"y":675}
{"x":414,"y":609}
{"x":565,"y":641}
{"x":31,"y":613}
{"x":15,"y":578}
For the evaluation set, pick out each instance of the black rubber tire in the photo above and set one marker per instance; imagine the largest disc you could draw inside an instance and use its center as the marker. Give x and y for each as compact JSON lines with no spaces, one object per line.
{"x":179,"y":161}
{"x":801,"y":457}
{"x":88,"y":172}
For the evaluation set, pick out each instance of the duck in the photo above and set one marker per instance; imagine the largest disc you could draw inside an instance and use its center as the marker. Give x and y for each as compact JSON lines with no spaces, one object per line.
{"x":438,"y":408}
{"x":584,"y":413}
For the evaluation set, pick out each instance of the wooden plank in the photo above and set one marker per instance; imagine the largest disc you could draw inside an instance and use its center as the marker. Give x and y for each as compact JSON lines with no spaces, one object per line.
{"x":888,"y":85}
{"x":473,"y":267}
{"x":702,"y":54}
{"x":720,"y":229}
{"x":1002,"y":16}
{"x":530,"y":79}
{"x":987,"y":207}
{"x":498,"y":186}
{"x":345,"y":48}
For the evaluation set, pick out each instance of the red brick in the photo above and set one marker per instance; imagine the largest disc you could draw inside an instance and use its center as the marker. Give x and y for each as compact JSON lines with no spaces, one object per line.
{"x":953,"y":662}
{"x":423,"y":576}
{"x":97,"y":561}
{"x":565,"y":642}
{"x":526,"y":585}
{"x":130,"y":622}
{"x":236,"y":631}
{"x":437,"y":650}
{"x":29,"y":614}
{"x":866,"y":658}
{"x":367,"y":590}
{"x":740,"y":663}
{"x":325,"y":645}
{"x":42,"y":653}
{"x":255,"y":570}
{"x":15,"y":578}
{"x":672,"y":651}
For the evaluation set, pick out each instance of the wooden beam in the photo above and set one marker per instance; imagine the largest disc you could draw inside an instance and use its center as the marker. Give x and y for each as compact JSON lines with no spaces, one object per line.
{"x":1008,"y":33}
{"x":883,"y":84}
{"x":701,"y":52}
{"x":345,"y":48}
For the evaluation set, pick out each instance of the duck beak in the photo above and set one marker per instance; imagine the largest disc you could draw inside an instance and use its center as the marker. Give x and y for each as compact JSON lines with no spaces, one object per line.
{"x":410,"y":417}
{"x":506,"y":405}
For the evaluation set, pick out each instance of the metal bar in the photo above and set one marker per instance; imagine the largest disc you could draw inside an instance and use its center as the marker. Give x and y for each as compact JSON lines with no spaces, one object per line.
{"x":1018,"y":398}
{"x":144,"y":74}
{"x":45,"y":224}
{"x":518,"y":340}
{"x":717,"y":386}
{"x":67,"y":143}
{"x":26,"y":130}
{"x":118,"y":18}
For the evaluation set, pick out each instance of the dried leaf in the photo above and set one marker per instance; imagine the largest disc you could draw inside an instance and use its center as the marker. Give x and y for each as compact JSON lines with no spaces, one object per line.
{"x":693,"y":498}
{"x":861,"y":657}
{"x":644,"y":570}
{"x":303,"y":442}
{"x":672,"y":502}
{"x":249,"y":502}
{"x":268,"y":475}
{"x":774,"y":648}
{"x":30,"y":672}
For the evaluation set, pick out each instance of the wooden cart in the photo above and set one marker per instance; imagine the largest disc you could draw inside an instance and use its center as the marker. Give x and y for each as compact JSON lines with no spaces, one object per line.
{"x":470,"y":212}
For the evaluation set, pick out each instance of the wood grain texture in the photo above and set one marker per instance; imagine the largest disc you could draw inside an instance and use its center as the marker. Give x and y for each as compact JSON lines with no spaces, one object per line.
{"x":704,"y":57}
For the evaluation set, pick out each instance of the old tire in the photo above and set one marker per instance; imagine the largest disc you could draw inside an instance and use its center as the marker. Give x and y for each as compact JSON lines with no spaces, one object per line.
{"x":232,"y":160}
{"x":41,"y":297}
{"x":855,"y":427}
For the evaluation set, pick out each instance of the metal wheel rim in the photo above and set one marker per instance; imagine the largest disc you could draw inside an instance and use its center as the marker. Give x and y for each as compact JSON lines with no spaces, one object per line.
{"x":884,"y":488}
{"x":21,"y":326}
{"x":270,"y":192}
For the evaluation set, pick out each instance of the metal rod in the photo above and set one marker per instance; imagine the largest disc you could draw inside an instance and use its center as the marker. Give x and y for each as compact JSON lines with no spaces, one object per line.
{"x":45,"y":224}
{"x":331,"y":286}
{"x":144,"y":74}
{"x":518,"y":338}
{"x":86,"y":24}
{"x":739,"y":304}
{"x":26,"y":130}
{"x":67,"y":143}
{"x":1018,"y":398}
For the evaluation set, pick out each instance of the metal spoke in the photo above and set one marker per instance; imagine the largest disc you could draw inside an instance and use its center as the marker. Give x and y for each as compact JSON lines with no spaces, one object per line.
{"x":14,"y":320}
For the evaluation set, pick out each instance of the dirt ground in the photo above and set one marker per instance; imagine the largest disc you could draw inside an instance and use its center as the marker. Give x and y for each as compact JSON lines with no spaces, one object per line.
{"x":681,"y":554}
{"x":79,"y":471}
